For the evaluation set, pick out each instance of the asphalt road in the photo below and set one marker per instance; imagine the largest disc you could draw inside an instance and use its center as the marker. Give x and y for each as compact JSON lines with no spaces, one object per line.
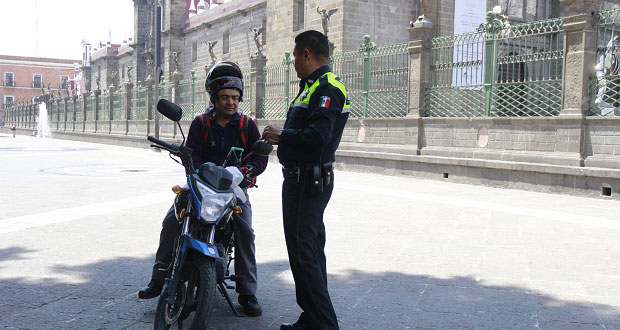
{"x":79,"y":225}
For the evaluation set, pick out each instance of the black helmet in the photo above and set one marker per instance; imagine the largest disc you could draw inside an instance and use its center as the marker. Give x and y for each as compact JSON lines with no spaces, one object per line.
{"x":224,"y":75}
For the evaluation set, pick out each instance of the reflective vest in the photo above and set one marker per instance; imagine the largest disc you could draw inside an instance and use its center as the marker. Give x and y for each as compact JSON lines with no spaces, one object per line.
{"x":303,"y":100}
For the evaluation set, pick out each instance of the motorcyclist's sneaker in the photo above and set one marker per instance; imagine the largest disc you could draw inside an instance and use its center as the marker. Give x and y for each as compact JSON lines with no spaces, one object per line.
{"x":152,"y":290}
{"x":250,"y":305}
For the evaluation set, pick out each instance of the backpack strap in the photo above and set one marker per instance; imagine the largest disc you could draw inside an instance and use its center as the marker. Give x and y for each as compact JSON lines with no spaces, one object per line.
{"x":206,"y":125}
{"x":243,"y":127}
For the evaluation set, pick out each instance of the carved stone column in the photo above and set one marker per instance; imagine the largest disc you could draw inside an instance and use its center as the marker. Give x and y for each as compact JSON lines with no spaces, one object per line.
{"x":419,"y":76}
{"x":257,"y":83}
{"x":96,"y":108}
{"x":110,"y":108}
{"x":579,"y":66}
{"x":149,"y":103}
{"x":128,"y":105}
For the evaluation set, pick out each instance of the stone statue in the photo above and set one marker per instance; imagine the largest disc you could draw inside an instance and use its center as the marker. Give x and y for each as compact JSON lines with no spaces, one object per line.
{"x":129,"y":68}
{"x":113,"y":77}
{"x":175,"y":58}
{"x":211,"y":45}
{"x":98,"y":81}
{"x":49,"y":90}
{"x":257,"y":32}
{"x":325,"y":15}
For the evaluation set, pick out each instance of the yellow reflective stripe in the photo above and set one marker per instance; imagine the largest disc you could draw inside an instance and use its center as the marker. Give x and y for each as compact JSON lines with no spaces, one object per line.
{"x":308,"y":91}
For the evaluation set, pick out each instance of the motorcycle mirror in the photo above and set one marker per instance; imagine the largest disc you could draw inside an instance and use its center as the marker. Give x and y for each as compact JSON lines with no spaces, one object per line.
{"x":169,"y":109}
{"x":262,"y":148}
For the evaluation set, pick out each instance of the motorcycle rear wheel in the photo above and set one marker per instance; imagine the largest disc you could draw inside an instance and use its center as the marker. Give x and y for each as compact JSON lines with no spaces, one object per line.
{"x":195,"y":292}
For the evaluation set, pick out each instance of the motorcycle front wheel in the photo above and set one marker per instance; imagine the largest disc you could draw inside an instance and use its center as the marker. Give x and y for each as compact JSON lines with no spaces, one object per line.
{"x":192,"y":306}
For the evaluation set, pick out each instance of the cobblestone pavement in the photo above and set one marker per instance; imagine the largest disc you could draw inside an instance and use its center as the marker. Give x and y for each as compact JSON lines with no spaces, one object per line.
{"x":79,"y":225}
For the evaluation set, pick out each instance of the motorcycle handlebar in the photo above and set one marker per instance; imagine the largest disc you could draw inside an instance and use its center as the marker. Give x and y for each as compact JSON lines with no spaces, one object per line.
{"x":166,"y":145}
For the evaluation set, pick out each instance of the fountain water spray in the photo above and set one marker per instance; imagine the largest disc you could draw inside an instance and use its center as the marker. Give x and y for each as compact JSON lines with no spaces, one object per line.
{"x":43,"y":125}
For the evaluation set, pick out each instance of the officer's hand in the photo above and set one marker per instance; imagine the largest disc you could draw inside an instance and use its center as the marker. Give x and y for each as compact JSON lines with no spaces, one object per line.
{"x":270,"y":134}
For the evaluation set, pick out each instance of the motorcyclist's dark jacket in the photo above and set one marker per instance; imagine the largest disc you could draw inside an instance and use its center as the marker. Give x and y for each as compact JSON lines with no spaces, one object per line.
{"x":220,"y":140}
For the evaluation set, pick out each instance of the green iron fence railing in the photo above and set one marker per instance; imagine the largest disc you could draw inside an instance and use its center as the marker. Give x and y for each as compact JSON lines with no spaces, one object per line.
{"x":499,"y":70}
{"x":604,"y":87}
{"x":377,"y":80}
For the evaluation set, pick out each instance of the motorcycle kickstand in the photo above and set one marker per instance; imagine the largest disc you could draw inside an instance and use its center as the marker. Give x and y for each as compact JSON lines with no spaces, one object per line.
{"x":222,"y":287}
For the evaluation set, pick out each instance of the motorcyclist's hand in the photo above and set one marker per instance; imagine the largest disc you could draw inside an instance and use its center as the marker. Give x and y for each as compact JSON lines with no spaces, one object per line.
{"x":249,"y":171}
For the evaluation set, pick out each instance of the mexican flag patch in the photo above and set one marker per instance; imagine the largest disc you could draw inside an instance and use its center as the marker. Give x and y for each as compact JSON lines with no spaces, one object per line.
{"x":325,"y":102}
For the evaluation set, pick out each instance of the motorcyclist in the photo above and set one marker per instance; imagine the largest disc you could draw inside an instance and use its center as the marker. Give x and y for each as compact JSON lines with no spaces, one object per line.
{"x":211,"y":135}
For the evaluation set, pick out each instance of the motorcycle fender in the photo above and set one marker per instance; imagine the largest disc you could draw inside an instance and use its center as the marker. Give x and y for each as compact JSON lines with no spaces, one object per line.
{"x":202,"y":247}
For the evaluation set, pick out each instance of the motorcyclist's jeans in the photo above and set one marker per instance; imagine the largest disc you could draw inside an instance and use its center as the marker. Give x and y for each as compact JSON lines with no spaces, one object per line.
{"x":245,"y":257}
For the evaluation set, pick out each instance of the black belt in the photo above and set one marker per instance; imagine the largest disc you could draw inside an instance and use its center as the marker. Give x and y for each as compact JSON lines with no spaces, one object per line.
{"x":292,"y":169}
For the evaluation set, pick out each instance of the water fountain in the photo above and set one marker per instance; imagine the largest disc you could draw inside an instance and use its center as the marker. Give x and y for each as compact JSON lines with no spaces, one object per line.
{"x":43,"y":123}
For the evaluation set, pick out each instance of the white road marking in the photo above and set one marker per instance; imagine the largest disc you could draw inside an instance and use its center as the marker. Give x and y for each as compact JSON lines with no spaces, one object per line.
{"x":9,"y":225}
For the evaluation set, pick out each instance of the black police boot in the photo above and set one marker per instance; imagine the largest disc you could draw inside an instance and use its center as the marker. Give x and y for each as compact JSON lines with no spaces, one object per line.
{"x":296,"y":326}
{"x":152,"y":290}
{"x":250,"y":305}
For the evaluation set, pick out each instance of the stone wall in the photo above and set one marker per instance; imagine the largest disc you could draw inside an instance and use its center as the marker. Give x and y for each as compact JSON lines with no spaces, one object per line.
{"x":384,"y":21}
{"x":237,"y":24}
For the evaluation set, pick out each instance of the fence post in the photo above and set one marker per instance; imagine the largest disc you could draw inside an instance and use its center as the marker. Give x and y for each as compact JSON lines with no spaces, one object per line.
{"x":579,"y":66}
{"x":175,"y":95}
{"x":193,"y":77}
{"x":366,"y":48}
{"x":85,"y":97}
{"x":257,"y":83}
{"x":287,"y":77}
{"x":419,"y":65}
{"x":110,"y":108}
{"x":128,"y":98}
{"x":96,"y":109}
{"x":148,"y":103}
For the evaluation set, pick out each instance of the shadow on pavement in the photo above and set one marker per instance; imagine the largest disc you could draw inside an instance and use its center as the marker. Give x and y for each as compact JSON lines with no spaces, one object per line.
{"x":102,"y":295}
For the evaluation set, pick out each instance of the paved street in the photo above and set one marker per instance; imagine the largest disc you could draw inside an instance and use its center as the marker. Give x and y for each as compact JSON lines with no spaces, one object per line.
{"x":79,"y":225}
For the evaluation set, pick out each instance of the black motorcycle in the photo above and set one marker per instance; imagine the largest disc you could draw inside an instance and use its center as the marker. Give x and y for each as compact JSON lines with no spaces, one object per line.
{"x":204,"y":248}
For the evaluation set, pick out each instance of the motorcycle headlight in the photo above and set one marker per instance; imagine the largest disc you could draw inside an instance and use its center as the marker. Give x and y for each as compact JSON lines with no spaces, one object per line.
{"x":213,"y":203}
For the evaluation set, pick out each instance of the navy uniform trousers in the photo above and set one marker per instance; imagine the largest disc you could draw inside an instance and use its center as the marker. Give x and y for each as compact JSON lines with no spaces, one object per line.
{"x":245,"y":257}
{"x":304,"y":232}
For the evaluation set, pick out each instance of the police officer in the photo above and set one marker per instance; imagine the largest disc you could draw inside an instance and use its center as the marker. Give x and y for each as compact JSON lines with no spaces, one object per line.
{"x":306,"y":149}
{"x":211,"y":136}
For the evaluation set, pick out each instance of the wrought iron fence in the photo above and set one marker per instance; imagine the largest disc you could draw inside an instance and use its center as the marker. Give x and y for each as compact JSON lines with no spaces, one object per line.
{"x":605,"y":85}
{"x":377,"y":80}
{"x":277,"y":89}
{"x":499,"y":70}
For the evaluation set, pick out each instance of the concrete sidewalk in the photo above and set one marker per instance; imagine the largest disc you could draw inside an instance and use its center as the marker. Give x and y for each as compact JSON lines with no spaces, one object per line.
{"x":79,"y":225}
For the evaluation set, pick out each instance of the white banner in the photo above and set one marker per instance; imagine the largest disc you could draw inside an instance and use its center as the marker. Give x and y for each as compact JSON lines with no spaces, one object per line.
{"x":468,"y":15}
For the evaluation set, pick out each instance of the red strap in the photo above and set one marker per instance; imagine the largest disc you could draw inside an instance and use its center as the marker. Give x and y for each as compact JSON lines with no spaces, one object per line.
{"x":202,"y":120}
{"x":243,"y":121}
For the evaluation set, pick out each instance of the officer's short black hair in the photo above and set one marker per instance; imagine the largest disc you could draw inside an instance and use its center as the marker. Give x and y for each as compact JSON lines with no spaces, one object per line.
{"x":315,"y":41}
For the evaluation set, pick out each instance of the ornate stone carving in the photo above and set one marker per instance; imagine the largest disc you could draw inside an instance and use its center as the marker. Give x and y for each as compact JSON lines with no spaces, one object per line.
{"x":325,"y":15}
{"x":211,"y":45}
{"x":257,"y":39}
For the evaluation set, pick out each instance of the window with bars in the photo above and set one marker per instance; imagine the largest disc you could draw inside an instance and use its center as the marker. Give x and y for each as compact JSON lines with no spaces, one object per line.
{"x":194,"y":51}
{"x":226,"y":43}
{"x":8,"y":79}
{"x":8,"y":100}
{"x":37,"y":80}
{"x":298,"y":14}
{"x":63,"y":82}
